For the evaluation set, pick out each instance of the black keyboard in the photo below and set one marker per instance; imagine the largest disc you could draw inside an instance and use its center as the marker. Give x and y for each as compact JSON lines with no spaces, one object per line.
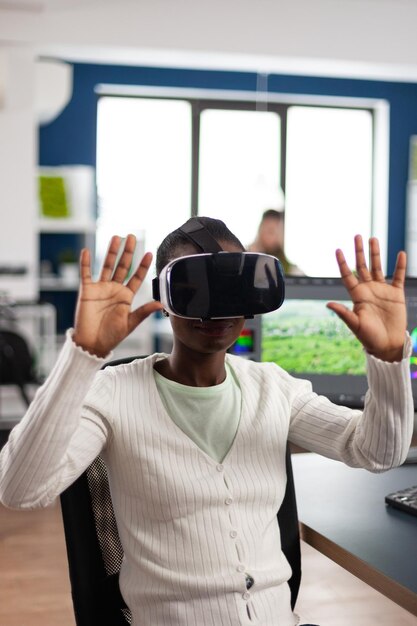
{"x":405,"y":499}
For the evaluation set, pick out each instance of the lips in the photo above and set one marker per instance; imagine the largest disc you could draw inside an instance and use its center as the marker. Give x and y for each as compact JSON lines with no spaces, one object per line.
{"x":214,"y":327}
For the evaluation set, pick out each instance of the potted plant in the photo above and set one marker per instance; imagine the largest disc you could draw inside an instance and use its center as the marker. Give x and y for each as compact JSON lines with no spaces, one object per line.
{"x":68,"y":266}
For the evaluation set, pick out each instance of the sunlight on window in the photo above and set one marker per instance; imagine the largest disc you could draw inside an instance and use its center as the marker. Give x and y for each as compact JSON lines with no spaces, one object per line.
{"x":328,"y":185}
{"x":144,"y":174}
{"x":239,"y":168}
{"x":143,"y":169}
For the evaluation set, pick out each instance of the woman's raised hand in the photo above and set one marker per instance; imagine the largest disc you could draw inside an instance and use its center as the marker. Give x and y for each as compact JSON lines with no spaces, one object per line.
{"x":379,"y":314}
{"x":103,"y":315}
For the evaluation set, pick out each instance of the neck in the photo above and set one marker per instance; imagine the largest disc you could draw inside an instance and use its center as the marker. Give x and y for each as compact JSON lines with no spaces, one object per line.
{"x":194,"y":369}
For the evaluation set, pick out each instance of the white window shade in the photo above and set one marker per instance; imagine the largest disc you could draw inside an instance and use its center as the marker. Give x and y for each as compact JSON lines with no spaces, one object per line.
{"x":328,"y":185}
{"x":239,"y":175}
{"x":143,"y":168}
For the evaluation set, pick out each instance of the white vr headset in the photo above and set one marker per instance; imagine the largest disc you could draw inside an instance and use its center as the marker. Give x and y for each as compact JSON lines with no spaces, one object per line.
{"x":218,"y":284}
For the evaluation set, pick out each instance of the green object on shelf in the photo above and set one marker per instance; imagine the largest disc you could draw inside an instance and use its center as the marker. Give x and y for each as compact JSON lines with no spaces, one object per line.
{"x":53,"y":196}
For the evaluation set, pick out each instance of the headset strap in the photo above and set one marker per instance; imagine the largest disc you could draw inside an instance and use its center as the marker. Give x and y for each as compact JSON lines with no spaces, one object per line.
{"x":196,"y":232}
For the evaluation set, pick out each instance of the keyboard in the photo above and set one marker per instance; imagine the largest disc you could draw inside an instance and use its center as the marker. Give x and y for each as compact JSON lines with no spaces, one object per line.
{"x":405,"y":499}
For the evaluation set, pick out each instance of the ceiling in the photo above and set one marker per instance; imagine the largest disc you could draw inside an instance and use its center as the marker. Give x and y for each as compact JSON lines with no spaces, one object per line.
{"x":345,"y":38}
{"x":39,"y":6}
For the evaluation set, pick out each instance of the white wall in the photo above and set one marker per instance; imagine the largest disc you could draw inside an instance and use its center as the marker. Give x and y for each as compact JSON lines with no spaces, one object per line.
{"x":30,"y":91}
{"x":18,"y":239}
{"x":372,"y":38}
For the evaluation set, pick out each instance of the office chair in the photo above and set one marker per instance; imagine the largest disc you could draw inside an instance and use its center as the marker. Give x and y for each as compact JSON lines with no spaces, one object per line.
{"x":95,"y":553}
{"x":17,"y":363}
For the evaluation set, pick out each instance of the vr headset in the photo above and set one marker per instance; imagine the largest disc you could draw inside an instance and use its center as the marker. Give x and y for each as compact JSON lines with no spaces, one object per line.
{"x":218,"y":284}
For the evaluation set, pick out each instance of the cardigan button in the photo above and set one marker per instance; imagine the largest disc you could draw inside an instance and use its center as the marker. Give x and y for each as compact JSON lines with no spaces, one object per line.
{"x":219,"y":467}
{"x":228,"y":501}
{"x":246,"y":595}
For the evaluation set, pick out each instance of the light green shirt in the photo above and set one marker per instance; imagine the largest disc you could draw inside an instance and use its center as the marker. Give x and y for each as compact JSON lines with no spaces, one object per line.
{"x":208,"y":415}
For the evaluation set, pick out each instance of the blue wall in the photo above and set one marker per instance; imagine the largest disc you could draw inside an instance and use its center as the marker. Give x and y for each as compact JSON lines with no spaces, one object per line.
{"x":70,"y":139}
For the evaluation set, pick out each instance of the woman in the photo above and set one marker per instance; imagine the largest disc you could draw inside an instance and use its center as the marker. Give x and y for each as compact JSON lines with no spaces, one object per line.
{"x":270,"y":240}
{"x":194,"y":441}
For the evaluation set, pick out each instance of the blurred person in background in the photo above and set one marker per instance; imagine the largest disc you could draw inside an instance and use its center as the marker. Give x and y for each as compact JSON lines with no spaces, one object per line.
{"x":270,"y":240}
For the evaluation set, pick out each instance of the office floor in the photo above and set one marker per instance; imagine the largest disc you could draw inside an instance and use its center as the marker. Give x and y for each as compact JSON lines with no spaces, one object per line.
{"x":34,"y":587}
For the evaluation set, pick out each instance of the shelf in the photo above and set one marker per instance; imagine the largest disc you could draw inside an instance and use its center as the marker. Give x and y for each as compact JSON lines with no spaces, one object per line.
{"x":66,"y":225}
{"x":55,"y":283}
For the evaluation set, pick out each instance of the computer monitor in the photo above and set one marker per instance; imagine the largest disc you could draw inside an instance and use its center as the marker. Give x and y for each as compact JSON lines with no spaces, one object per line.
{"x":309,"y":341}
{"x":248,"y":344}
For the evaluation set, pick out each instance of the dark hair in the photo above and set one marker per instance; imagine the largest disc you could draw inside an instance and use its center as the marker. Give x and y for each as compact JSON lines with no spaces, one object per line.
{"x":272,"y":213}
{"x":167,"y":248}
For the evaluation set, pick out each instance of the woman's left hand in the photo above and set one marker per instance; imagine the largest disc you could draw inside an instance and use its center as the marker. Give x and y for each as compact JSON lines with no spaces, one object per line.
{"x":379,"y":314}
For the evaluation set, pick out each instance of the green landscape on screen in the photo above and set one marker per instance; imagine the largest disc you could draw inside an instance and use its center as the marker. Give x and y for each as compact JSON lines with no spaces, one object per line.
{"x":305,"y":337}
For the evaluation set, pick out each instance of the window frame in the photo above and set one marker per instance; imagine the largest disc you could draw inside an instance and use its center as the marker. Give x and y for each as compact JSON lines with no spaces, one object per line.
{"x":204,"y":99}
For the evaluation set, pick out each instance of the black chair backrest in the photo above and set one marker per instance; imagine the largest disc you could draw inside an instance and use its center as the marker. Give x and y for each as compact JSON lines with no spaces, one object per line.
{"x":95,"y":553}
{"x":16,"y":362}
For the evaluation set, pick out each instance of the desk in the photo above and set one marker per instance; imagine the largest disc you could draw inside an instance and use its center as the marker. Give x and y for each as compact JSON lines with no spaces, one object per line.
{"x":343,"y":514}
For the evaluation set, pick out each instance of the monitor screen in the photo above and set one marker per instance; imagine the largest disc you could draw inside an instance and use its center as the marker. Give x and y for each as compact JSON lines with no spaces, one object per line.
{"x":309,"y":341}
{"x":248,"y":344}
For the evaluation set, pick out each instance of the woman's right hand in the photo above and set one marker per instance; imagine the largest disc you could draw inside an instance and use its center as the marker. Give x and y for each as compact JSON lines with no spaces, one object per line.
{"x":103,"y":315}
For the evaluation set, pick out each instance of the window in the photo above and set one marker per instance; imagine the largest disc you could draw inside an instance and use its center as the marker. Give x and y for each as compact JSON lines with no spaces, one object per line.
{"x":239,"y":167}
{"x":162,"y":159}
{"x":143,"y":169}
{"x":328,"y":185}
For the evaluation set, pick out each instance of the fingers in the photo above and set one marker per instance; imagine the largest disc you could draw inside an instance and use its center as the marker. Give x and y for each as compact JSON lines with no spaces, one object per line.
{"x":116,"y":265}
{"x":138,"y":277}
{"x":398,"y":277}
{"x":110,"y":258}
{"x":124,"y":264}
{"x":349,"y":280}
{"x":345,"y":314}
{"x":141,"y":313}
{"x":363,"y":273}
{"x":375,"y":260}
{"x":361,"y":267}
{"x":85,"y":266}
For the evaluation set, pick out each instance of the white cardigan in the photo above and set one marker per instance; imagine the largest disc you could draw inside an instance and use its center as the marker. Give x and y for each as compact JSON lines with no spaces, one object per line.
{"x":190,"y":527}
